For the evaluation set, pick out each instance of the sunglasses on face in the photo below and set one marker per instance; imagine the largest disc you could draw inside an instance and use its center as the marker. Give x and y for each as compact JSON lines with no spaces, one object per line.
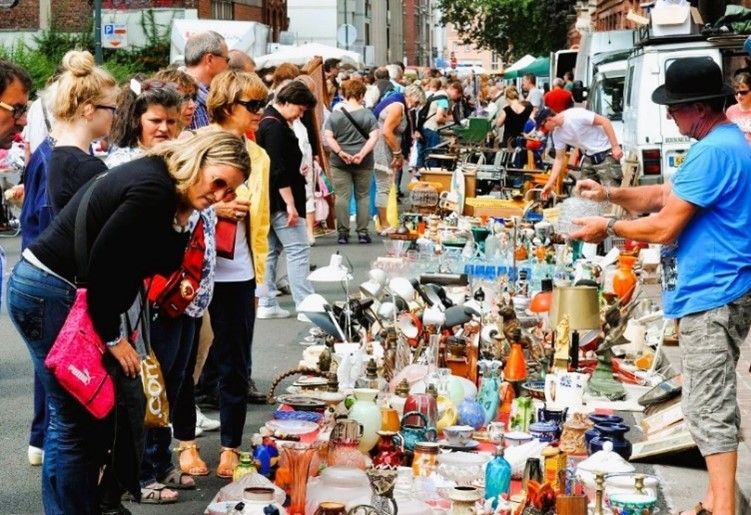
{"x":741,"y":93}
{"x":190,"y":97}
{"x":16,"y":111}
{"x":219,"y":184}
{"x":253,"y":106}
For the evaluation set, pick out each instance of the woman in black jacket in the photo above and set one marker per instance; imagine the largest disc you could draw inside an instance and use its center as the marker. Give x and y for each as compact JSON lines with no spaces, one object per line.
{"x":137,"y":226}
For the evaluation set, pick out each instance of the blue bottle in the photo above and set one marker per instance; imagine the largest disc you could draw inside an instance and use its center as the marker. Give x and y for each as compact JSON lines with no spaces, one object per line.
{"x":497,"y":477}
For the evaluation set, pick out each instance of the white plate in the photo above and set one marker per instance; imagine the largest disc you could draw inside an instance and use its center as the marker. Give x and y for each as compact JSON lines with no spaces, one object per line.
{"x":292,"y":427}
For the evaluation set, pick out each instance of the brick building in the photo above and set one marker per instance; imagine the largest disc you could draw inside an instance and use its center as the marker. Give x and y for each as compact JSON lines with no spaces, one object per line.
{"x":418,"y":32}
{"x":611,"y":14}
{"x":75,"y":15}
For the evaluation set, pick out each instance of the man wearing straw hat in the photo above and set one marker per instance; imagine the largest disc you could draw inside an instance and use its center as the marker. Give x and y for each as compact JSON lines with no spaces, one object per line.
{"x":702,"y":220}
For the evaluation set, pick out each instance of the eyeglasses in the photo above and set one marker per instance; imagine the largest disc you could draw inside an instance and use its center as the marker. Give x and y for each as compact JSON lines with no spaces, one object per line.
{"x":191,"y":97}
{"x":676,"y":108}
{"x":741,"y":93}
{"x":111,"y":109}
{"x":16,"y":111}
{"x":225,"y":57}
{"x":219,"y":184}
{"x":253,"y":106}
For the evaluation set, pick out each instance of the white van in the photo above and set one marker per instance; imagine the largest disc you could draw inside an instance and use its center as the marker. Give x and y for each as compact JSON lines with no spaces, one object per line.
{"x":595,"y":44}
{"x":648,"y":135}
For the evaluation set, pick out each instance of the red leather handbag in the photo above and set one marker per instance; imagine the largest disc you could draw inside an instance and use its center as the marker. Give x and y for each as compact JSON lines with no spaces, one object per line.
{"x":226,"y":232}
{"x":172,"y":295}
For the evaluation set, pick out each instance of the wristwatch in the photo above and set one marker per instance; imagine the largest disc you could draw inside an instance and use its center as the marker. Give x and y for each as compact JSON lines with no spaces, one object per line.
{"x":611,"y":230}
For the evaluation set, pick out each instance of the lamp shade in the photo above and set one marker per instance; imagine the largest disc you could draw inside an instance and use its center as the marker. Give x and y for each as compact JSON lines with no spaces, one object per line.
{"x":335,"y":271}
{"x":580,"y":303}
{"x":313,"y":303}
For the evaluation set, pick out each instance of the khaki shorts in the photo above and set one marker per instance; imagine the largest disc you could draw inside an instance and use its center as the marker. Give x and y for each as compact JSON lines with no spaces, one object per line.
{"x":710,"y":345}
{"x":608,"y":172}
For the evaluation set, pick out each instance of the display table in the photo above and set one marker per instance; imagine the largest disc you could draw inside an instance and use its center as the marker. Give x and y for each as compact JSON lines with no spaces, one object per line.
{"x":437,"y":176}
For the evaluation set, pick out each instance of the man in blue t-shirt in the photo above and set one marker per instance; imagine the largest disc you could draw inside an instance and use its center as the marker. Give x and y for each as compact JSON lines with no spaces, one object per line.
{"x":702,"y":220}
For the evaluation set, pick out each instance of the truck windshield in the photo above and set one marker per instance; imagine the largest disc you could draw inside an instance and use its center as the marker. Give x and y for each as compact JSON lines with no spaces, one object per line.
{"x":608,"y":98}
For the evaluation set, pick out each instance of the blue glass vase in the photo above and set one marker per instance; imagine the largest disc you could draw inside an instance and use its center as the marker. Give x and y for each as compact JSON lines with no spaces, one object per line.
{"x":471,"y":413}
{"x":497,"y":477}
{"x":488,"y":396}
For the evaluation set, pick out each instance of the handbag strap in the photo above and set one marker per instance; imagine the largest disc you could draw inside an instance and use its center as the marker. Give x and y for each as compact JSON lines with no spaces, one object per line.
{"x":362,"y":132}
{"x":81,"y":237}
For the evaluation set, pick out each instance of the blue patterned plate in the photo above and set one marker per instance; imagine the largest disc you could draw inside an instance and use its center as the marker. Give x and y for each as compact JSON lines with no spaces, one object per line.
{"x":309,"y":416}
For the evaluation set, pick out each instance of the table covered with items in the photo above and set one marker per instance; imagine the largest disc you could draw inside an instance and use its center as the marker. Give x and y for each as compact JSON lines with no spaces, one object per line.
{"x":487,"y":365}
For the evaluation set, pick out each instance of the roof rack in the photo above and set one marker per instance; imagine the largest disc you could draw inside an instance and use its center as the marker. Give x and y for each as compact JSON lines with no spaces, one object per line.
{"x":644,"y":36}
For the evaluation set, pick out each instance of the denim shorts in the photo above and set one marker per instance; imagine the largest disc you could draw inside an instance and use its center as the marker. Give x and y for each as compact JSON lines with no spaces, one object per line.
{"x":710,"y":345}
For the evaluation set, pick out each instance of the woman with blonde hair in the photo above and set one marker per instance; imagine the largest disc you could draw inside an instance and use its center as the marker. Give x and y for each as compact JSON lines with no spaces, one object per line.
{"x":84,"y":109}
{"x":235,"y":105}
{"x":513,"y":116}
{"x":137,"y":221}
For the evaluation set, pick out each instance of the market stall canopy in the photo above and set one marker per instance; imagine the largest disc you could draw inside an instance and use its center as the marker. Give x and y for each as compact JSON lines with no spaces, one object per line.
{"x":300,"y":55}
{"x":511,"y":71}
{"x":539,"y":68}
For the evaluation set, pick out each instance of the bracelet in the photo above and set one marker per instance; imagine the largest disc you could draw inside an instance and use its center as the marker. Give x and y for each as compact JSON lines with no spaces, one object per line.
{"x":396,"y":153}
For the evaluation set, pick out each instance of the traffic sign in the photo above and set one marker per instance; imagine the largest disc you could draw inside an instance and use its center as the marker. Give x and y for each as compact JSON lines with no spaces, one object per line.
{"x":346,"y":34}
{"x":114,"y":35}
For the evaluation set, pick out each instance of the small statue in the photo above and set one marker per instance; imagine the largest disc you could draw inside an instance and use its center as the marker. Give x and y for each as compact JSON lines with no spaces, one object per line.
{"x":562,"y":344}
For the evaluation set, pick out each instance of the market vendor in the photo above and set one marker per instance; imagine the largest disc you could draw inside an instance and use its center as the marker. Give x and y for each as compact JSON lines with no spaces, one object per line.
{"x":702,"y":220}
{"x":588,"y":131}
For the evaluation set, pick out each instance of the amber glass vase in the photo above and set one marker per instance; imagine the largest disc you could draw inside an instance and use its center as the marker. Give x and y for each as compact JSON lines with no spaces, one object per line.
{"x":624,"y":279}
{"x":298,"y":457}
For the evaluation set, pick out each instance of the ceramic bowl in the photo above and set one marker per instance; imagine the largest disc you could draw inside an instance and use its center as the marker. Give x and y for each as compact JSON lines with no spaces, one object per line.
{"x":516,"y":438}
{"x":635,"y":503}
{"x":310,"y":416}
{"x":625,"y":483}
{"x":462,"y":467}
{"x":535,"y":389}
{"x":458,"y":434}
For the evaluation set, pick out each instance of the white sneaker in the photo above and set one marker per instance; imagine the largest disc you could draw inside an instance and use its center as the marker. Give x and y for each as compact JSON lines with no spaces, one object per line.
{"x":36,"y":456}
{"x":205,"y":423}
{"x":272,"y":312}
{"x":302,"y":317}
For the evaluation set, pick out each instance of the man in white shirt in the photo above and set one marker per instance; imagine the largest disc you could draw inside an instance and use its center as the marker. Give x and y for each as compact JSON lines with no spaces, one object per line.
{"x":588,"y":131}
{"x":534,"y":95}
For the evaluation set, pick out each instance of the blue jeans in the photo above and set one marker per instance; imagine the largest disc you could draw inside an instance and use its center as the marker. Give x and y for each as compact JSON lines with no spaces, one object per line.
{"x":172,"y":342}
{"x":38,"y":304}
{"x":41,"y":418}
{"x":294,"y":241}
{"x":430,"y":139}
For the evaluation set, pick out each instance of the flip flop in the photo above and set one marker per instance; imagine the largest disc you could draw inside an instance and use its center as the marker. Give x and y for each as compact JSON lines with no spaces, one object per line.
{"x":174,"y":480}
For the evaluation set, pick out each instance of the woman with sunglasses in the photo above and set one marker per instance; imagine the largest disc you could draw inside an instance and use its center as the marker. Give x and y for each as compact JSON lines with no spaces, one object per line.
{"x":138,"y":224}
{"x":84,"y":107}
{"x":235,"y":104}
{"x":188,"y":89}
{"x":740,"y":113}
{"x":287,"y":196}
{"x":147,"y":114}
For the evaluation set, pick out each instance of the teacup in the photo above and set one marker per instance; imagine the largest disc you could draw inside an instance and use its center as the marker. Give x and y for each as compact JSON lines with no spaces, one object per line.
{"x":458,"y":435}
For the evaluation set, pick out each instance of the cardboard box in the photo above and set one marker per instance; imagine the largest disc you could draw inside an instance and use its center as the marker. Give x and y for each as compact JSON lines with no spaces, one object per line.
{"x":671,"y":20}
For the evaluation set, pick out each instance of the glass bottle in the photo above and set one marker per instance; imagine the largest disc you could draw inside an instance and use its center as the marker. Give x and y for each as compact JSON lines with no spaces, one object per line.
{"x":532,"y":472}
{"x":497,"y":477}
{"x":245,"y":466}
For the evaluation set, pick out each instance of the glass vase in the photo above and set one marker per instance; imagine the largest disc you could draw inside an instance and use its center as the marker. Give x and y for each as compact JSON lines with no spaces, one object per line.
{"x":298,"y":457}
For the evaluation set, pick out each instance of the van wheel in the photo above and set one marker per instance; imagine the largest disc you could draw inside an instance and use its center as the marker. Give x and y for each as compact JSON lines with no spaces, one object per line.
{"x":711,"y":10}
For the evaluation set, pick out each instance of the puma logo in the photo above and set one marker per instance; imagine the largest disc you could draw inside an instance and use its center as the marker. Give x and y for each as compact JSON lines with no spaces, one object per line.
{"x":84,"y":376}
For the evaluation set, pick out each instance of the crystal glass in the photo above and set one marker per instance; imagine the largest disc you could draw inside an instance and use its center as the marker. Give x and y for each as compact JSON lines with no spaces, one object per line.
{"x":298,"y":456}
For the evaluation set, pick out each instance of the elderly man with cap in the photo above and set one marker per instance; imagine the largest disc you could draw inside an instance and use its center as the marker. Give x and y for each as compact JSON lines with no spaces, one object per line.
{"x":588,"y":131}
{"x":702,"y":221}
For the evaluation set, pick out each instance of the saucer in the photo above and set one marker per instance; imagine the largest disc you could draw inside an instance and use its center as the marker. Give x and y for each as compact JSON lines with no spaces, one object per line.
{"x":469,"y":446}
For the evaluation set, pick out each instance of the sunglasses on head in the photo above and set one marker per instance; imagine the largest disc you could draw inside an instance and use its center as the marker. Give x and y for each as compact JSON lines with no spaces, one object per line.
{"x":16,"y":111}
{"x":253,"y":106}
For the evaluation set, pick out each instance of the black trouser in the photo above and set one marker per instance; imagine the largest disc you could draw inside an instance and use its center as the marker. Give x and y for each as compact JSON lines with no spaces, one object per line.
{"x":233,"y":315}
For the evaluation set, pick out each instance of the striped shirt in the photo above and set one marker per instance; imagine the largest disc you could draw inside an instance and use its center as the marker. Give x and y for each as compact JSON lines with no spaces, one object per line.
{"x":201,"y":114}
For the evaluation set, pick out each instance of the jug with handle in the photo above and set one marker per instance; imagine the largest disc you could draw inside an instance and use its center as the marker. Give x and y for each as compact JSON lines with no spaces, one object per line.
{"x":412,"y":433}
{"x":565,"y":390}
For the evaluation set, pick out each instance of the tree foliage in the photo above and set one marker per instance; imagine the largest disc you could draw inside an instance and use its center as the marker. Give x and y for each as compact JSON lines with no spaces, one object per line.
{"x":511,"y":27}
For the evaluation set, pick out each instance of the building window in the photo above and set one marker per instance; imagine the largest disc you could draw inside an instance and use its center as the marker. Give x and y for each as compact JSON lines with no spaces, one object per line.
{"x":221,"y":9}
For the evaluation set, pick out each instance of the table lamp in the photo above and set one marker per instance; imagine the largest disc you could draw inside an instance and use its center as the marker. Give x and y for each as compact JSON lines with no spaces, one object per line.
{"x":581,"y":305}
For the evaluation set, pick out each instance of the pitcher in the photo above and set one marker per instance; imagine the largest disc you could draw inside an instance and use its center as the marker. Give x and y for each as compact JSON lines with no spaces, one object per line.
{"x":565,"y":390}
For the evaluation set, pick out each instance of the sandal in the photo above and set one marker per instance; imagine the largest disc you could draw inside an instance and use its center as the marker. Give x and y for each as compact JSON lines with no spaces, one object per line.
{"x":153,"y":494}
{"x":228,"y":460}
{"x":174,"y":480}
{"x":700,"y":510}
{"x":190,"y":461}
